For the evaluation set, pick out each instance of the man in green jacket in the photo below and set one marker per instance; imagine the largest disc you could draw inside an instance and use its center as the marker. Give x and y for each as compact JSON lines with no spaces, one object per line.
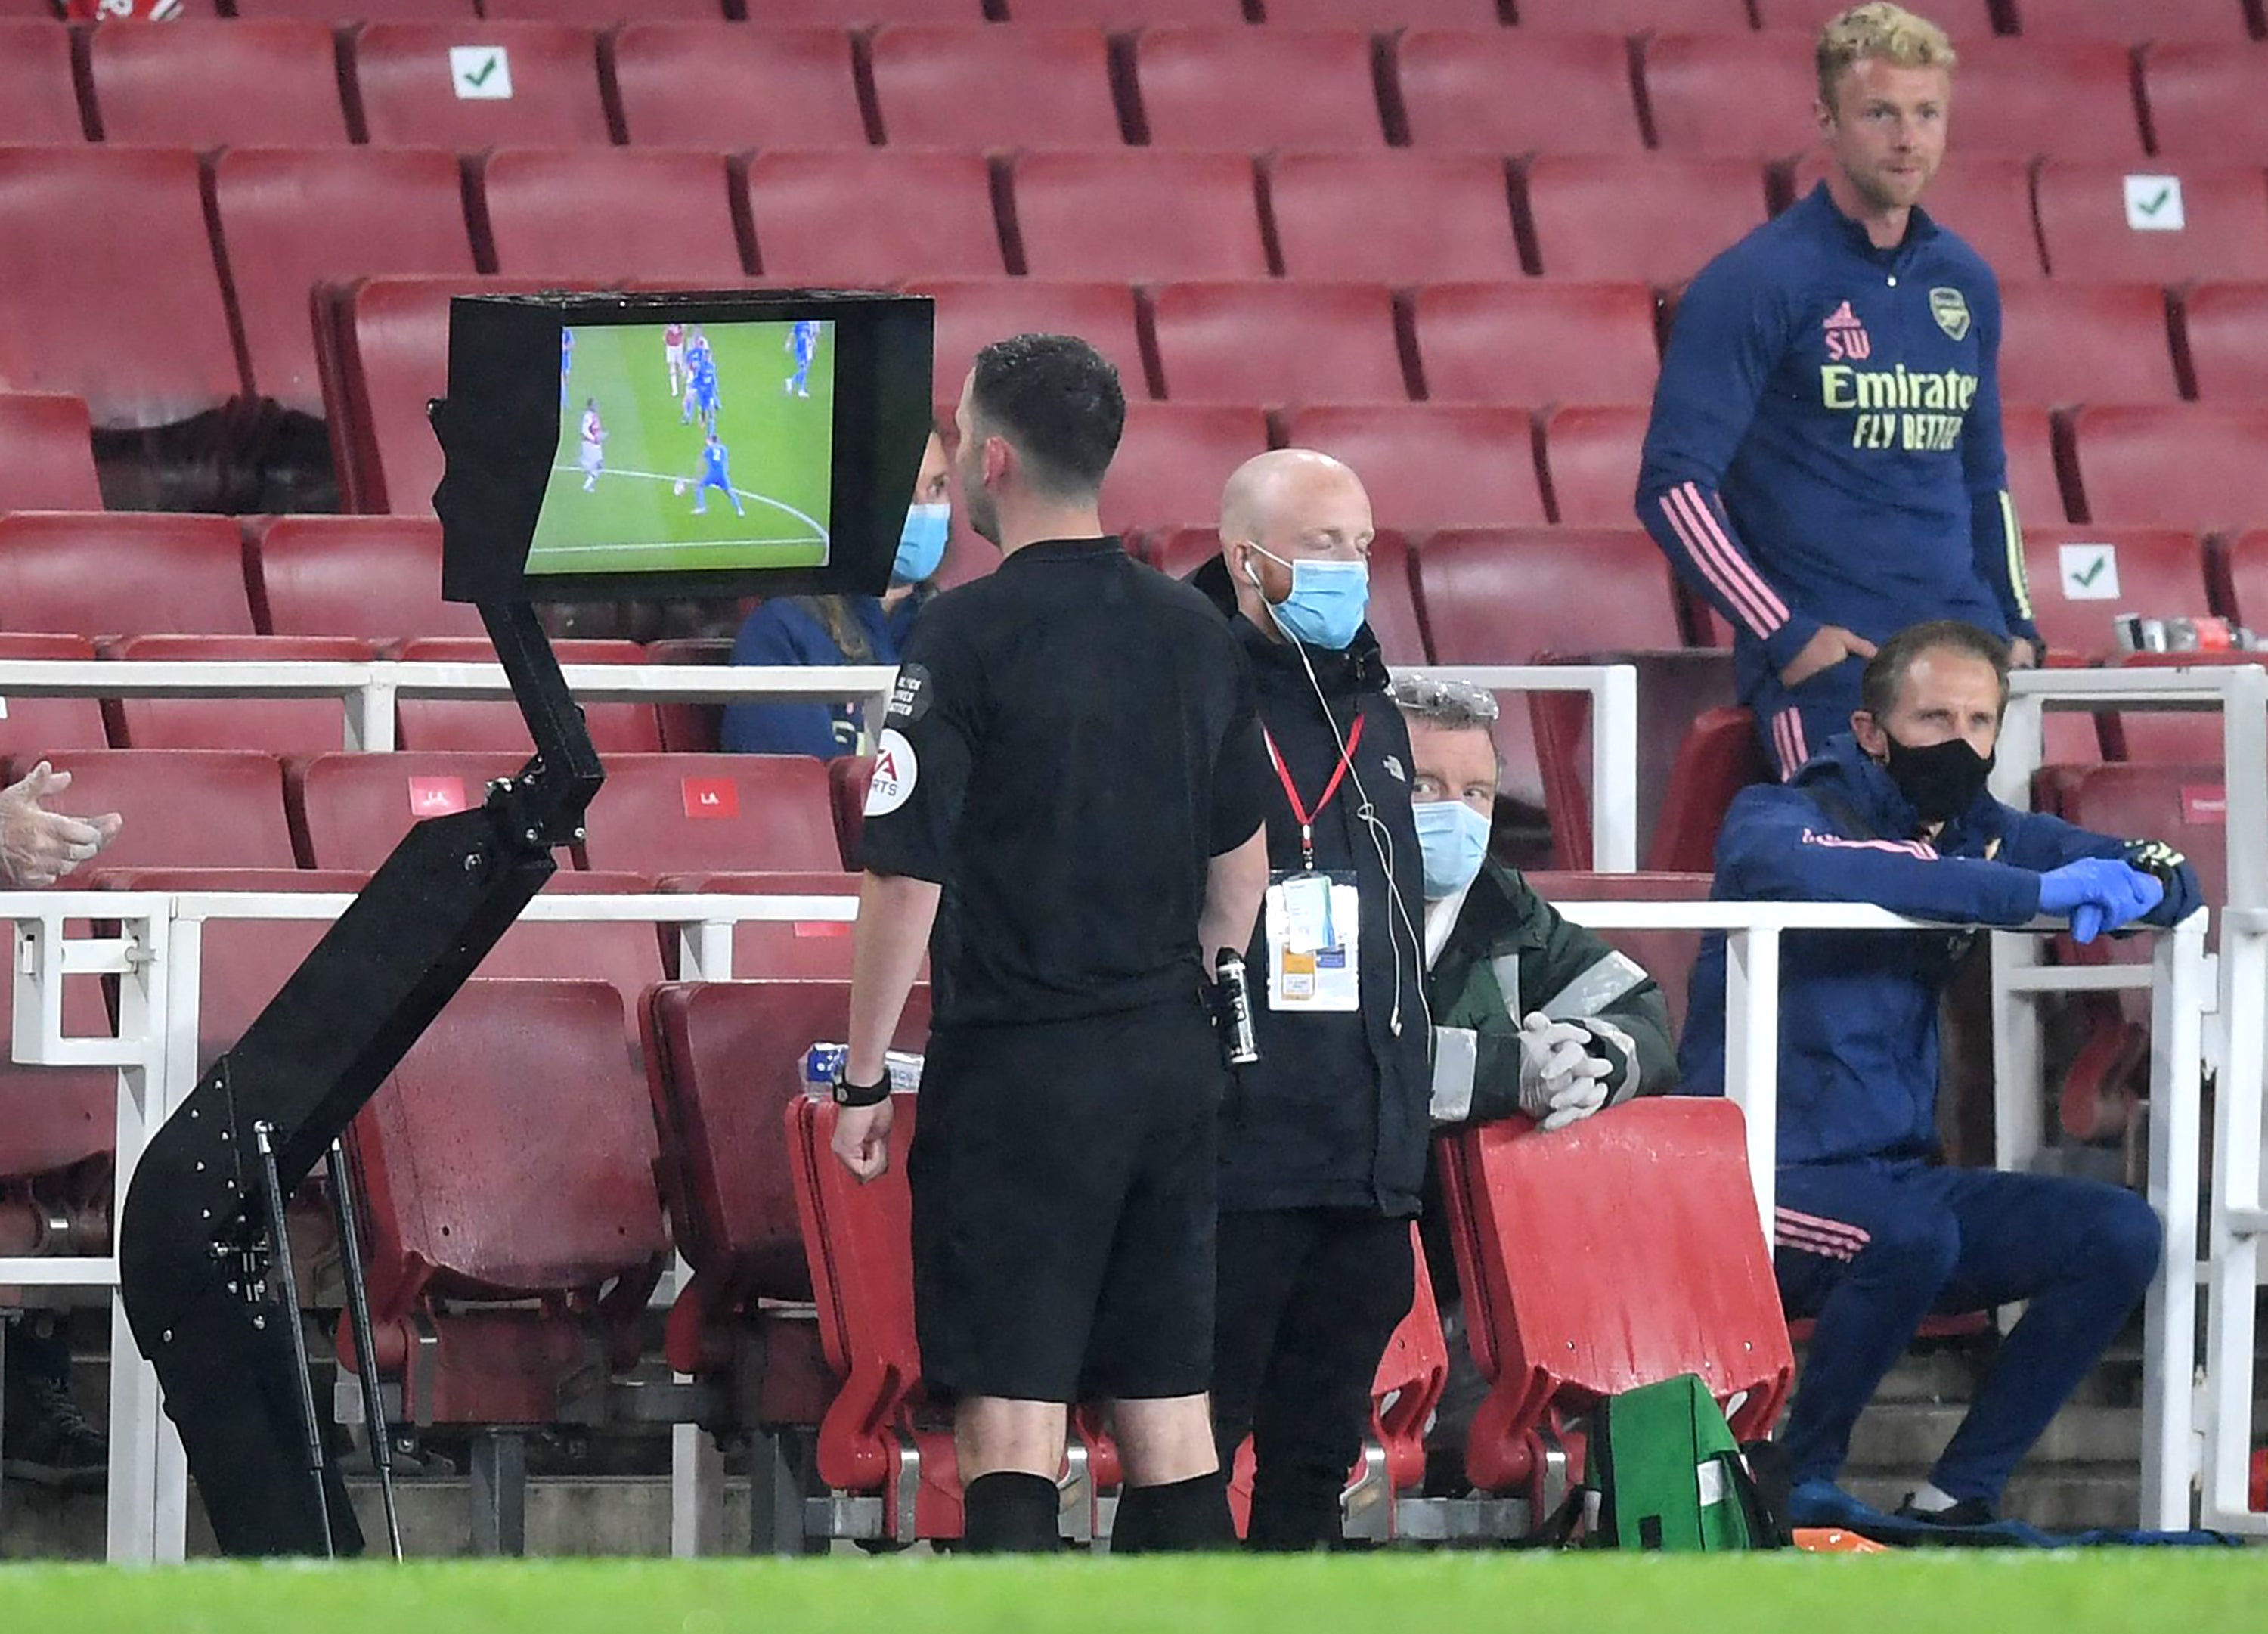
{"x":1531,"y":1014}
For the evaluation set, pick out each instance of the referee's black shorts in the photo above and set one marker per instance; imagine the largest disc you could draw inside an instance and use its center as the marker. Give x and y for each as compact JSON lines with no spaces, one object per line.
{"x":1063,"y":1207}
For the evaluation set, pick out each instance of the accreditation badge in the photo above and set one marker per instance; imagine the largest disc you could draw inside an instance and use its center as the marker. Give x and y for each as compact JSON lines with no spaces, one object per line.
{"x":1313,"y":924}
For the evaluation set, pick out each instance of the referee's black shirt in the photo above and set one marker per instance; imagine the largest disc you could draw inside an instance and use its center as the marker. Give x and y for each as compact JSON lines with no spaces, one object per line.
{"x":1071,"y":741}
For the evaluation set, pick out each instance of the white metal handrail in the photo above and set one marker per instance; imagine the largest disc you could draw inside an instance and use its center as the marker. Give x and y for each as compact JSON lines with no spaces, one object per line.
{"x":369,"y":691}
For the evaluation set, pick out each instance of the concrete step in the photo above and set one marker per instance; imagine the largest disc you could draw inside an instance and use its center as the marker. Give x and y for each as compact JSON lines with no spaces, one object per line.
{"x":1907,"y":1436}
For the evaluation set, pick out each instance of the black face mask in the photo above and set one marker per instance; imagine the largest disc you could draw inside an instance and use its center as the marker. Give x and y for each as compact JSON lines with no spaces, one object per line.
{"x":1942,"y":781}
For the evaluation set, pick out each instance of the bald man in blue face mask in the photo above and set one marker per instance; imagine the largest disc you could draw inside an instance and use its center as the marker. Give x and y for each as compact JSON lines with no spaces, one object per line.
{"x":1324,"y":1139}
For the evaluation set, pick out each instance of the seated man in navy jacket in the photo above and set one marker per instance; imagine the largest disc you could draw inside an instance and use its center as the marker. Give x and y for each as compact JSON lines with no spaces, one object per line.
{"x":1869,"y":1235}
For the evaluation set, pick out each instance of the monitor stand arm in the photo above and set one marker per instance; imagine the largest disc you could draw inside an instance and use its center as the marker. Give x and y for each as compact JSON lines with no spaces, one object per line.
{"x":195,"y":1247}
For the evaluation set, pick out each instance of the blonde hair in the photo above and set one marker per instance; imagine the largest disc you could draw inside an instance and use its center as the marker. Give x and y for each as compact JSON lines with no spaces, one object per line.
{"x":1881,"y":29}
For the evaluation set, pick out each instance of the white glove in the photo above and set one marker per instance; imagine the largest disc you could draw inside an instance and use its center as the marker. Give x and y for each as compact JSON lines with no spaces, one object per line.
{"x":1578,"y":1096}
{"x":1550,"y":1052}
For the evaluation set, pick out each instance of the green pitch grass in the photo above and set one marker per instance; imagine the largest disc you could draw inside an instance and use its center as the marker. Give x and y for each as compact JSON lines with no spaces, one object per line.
{"x":2192,"y":1590}
{"x":779,"y":446}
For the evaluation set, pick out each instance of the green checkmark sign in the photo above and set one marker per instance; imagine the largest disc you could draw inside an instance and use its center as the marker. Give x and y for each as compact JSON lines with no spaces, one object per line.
{"x":2151,"y":207}
{"x":481,"y":76}
{"x":2094,"y":571}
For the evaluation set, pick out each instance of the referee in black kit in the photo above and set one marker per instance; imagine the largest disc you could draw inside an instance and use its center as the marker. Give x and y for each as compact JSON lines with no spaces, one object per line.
{"x":1070,"y":787}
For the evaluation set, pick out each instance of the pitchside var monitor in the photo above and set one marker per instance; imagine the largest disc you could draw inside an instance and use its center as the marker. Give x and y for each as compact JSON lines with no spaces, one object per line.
{"x":611,"y":447}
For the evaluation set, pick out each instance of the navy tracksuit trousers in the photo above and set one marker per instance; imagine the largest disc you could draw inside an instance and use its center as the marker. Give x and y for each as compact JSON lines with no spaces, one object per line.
{"x":1870,"y":1247}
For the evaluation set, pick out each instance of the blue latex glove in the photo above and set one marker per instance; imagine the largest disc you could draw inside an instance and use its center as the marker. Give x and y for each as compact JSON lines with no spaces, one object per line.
{"x":2098,"y":893}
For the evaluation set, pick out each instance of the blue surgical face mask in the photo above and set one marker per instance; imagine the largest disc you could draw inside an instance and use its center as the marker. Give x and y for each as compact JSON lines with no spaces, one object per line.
{"x":921,"y":546}
{"x":1453,"y":838}
{"x":1327,"y":603}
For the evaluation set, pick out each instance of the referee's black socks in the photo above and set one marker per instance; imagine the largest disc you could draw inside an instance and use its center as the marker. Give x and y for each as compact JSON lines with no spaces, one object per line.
{"x":1177,"y":1517}
{"x":1009,"y":1513}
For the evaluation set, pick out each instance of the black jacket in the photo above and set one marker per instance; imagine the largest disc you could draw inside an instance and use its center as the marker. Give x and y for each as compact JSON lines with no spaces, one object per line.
{"x":1336,"y":1112}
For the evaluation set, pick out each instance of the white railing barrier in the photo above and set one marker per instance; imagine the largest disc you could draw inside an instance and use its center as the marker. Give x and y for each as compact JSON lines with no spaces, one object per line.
{"x":369,"y":692}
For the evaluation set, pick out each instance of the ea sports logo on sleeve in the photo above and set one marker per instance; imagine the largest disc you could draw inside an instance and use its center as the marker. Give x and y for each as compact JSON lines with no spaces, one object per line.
{"x":896,"y":769}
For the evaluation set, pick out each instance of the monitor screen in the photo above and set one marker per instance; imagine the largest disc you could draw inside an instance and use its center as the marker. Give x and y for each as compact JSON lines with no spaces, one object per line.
{"x":691,"y":447}
{"x":635,"y":444}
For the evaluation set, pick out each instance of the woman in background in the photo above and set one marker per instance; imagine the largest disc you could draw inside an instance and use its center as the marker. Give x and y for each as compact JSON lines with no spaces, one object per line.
{"x":841,"y":629}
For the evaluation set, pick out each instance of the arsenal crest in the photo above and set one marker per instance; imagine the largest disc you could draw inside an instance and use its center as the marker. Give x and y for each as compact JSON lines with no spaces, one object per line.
{"x":1950,"y":311}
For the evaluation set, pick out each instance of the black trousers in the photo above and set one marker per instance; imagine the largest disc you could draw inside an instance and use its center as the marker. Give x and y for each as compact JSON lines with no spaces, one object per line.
{"x":1308,"y":1298}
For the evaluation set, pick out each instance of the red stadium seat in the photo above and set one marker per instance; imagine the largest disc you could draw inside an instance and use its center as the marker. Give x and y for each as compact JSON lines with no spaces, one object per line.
{"x":37,"y":100}
{"x":2064,"y":342}
{"x":349,"y":810}
{"x":2073,"y":98}
{"x":1537,"y":342}
{"x":2101,"y":221}
{"x":496,"y":724}
{"x":80,"y":231}
{"x":1508,"y":92}
{"x":1140,"y":217}
{"x":1665,"y":955}
{"x":879,"y":1433}
{"x":342,"y":10}
{"x":1508,"y":595}
{"x":1740,"y":95}
{"x":294,"y":219}
{"x":1277,"y":342}
{"x":378,"y":578}
{"x":625,"y":953}
{"x":1431,"y":465}
{"x":1721,"y":756}
{"x":468,"y":1199}
{"x":1125,"y":16}
{"x":35,"y":726}
{"x":978,"y":85}
{"x":1396,"y":218}
{"x":973,"y":313}
{"x":849,"y":776}
{"x":2178,"y":465}
{"x":1590,"y":459}
{"x":1964,"y":20}
{"x":782,"y":950}
{"x":1173,"y":460}
{"x":1674,"y":688}
{"x":203,"y":84}
{"x":2224,"y":330}
{"x":392,"y":358}
{"x":2243,"y":571}
{"x":2220,"y":20}
{"x":184,"y":808}
{"x":2207,"y":102}
{"x":727,"y":86}
{"x":2083,"y":576}
{"x":1382,"y":16}
{"x":2164,"y":737}
{"x":724,"y":1060}
{"x":274,"y":725}
{"x":51,"y":465}
{"x":1651,"y":1268}
{"x":606,"y":13}
{"x":436,"y":85}
{"x":62,"y":572}
{"x":704,"y":814}
{"x":688,"y":726}
{"x":866,"y":13}
{"x":1655,"y":219}
{"x":1630,"y":17}
{"x":877,"y":217}
{"x":2034,"y":479}
{"x":1987,"y":199}
{"x":595,"y":215}
{"x":1235,"y":87}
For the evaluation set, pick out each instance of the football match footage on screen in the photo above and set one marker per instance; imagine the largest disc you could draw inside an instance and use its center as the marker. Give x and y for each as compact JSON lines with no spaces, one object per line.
{"x":685,"y":447}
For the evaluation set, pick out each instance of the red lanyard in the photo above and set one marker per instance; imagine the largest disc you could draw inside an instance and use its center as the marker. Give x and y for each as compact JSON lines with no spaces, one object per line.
{"x":1291,"y":793}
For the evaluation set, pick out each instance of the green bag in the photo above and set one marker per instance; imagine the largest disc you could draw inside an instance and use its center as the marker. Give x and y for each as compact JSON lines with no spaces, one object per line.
{"x":1665,"y":1473}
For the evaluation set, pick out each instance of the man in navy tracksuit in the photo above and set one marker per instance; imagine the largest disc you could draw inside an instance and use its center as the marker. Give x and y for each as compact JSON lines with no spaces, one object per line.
{"x":1824,"y":461}
{"x":1869,"y":1237}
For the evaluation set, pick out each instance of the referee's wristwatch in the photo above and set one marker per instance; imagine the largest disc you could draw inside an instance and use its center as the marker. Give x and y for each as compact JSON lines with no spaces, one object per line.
{"x":849,"y":1094}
